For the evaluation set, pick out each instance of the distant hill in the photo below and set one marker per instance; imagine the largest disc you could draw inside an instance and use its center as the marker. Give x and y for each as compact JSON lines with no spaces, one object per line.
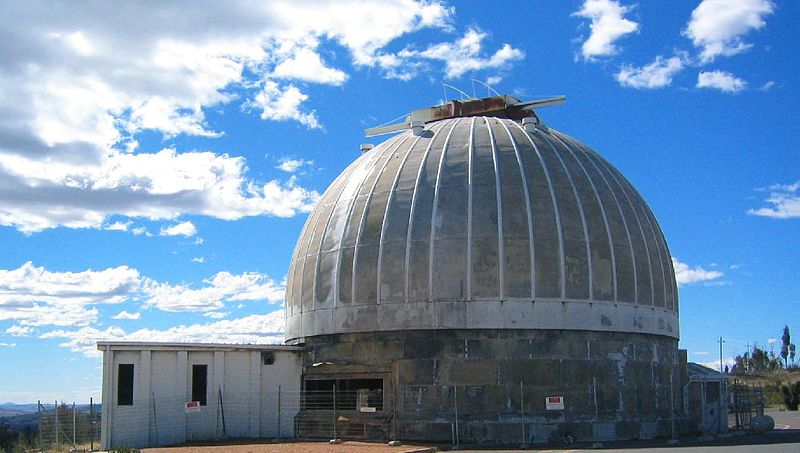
{"x":12,"y":409}
{"x":19,"y":416}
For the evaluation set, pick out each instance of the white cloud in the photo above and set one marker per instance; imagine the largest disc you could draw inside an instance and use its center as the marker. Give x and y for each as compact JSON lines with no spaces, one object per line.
{"x":772,"y":341}
{"x":657,"y":74}
{"x":198,"y":259}
{"x":714,"y":364}
{"x":19,"y":331}
{"x":768,"y":85}
{"x":163,"y":185}
{"x":717,"y":26}
{"x":75,"y":93}
{"x":7,"y":345}
{"x":290,"y":165}
{"x":462,"y":56}
{"x":720,"y":80}
{"x":117,"y":226}
{"x":307,"y":65}
{"x":34,"y":296}
{"x":493,"y":80}
{"x":125,"y":315}
{"x":220,"y":288}
{"x":185,"y":229}
{"x":139,"y":231}
{"x":685,"y":275}
{"x":608,"y":25}
{"x":783,"y":202}
{"x":280,"y":103}
{"x":216,"y":314}
{"x":255,"y":329}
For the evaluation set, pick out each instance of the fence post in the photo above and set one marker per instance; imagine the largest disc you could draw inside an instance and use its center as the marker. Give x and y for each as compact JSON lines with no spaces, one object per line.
{"x":73,"y":425}
{"x":522,"y":409}
{"x":455,"y":401}
{"x":672,"y":401}
{"x":279,"y":411}
{"x":55,"y":425}
{"x":222,"y":411}
{"x":39,"y":410}
{"x":91,"y":424}
{"x":395,"y":408}
{"x":334,"y":412}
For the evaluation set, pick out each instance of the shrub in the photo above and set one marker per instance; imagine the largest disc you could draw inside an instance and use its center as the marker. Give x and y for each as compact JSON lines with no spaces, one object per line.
{"x":791,"y":395}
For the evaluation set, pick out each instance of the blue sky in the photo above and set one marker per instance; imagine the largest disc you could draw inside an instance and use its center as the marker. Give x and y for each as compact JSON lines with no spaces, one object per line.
{"x":158,"y":162}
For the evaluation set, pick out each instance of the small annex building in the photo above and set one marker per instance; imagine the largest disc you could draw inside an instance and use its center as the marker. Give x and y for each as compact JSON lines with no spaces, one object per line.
{"x":707,"y":399}
{"x":172,"y":393}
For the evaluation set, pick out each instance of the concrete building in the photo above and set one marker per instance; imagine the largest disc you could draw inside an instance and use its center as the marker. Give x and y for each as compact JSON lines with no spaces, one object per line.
{"x":496,"y":280}
{"x":171,"y":393}
{"x":478,"y":277}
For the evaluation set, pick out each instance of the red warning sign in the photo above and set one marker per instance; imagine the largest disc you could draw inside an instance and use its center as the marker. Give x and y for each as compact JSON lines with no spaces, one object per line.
{"x":554,"y":403}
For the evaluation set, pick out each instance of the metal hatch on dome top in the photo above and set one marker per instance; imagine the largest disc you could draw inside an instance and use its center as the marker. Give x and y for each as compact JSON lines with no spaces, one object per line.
{"x":503,"y":106}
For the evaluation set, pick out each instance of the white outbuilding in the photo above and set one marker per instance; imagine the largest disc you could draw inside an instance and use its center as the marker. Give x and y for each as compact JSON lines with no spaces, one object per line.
{"x":171,"y":393}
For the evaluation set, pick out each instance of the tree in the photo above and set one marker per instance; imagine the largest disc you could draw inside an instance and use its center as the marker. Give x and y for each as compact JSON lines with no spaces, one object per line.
{"x":759,"y":361}
{"x":787,"y":340}
{"x":791,"y":353}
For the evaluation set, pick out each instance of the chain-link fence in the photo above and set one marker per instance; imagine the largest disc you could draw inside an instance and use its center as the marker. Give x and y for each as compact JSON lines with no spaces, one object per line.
{"x":468,"y":414}
{"x":341,"y":414}
{"x":524,"y":414}
{"x":318,"y":414}
{"x":68,"y":427}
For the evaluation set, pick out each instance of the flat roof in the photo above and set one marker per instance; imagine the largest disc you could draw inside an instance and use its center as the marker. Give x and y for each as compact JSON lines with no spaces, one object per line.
{"x":164,"y":346}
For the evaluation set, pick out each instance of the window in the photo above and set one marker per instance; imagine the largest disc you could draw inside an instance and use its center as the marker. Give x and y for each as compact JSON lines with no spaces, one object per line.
{"x":125,"y":384}
{"x":199,"y":383}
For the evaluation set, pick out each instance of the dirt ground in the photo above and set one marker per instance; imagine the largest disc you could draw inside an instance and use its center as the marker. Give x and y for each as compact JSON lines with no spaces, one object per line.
{"x":303,"y":447}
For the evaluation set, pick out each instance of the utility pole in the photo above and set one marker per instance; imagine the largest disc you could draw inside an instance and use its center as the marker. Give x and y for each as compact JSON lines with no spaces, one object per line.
{"x":749,"y":356}
{"x":720,"y":353}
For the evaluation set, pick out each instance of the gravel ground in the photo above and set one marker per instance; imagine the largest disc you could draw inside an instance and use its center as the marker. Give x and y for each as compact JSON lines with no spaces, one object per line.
{"x":303,"y":447}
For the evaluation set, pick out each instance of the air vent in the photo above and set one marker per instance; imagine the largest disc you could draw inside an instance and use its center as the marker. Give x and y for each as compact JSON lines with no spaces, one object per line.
{"x":268,"y":357}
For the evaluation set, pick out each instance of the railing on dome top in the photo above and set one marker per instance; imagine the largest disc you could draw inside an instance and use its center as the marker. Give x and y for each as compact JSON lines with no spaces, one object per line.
{"x":502,"y":106}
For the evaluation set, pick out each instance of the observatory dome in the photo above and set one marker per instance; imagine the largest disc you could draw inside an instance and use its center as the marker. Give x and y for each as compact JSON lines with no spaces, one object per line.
{"x":481,"y":223}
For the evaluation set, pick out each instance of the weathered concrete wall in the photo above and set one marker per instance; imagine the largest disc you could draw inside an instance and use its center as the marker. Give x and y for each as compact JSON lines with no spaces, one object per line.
{"x":493,"y":383}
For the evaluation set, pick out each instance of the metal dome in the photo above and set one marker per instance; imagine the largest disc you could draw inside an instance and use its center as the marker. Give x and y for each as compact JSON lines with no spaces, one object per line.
{"x":478,"y":223}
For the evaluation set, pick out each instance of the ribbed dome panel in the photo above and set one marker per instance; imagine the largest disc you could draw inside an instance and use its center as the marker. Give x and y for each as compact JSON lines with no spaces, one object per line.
{"x":480,"y":224}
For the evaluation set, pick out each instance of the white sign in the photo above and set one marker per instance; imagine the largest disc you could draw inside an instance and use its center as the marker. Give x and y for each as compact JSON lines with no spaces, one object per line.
{"x":367,"y":409}
{"x":193,"y":406}
{"x":554,"y":403}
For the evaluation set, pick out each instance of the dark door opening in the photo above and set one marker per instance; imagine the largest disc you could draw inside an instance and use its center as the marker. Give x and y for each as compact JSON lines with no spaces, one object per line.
{"x":365,"y":395}
{"x":200,"y":383}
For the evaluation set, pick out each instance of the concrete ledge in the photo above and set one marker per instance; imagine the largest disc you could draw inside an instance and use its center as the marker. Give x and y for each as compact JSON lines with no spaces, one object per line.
{"x":547,"y":314}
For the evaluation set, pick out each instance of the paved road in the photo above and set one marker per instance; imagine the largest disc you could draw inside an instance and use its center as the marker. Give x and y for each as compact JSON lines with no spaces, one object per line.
{"x":785,"y":419}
